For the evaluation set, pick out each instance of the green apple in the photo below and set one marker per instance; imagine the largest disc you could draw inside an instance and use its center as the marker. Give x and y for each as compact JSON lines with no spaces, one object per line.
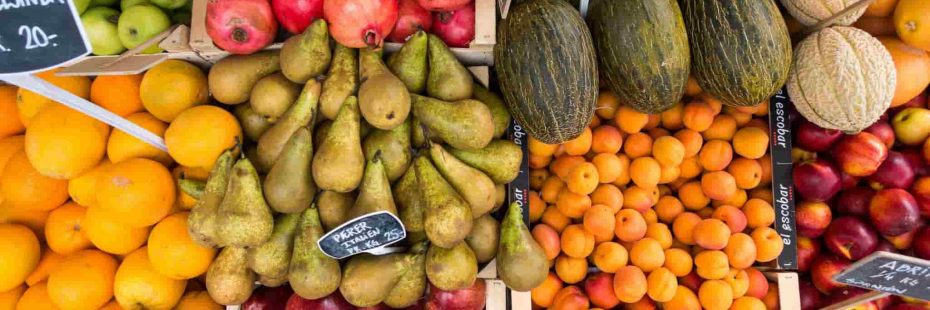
{"x":100,"y":26}
{"x":81,"y":5}
{"x":181,"y":17}
{"x":125,"y":4}
{"x":103,"y":2}
{"x":140,"y":23}
{"x":170,"y":4}
{"x":912,"y":126}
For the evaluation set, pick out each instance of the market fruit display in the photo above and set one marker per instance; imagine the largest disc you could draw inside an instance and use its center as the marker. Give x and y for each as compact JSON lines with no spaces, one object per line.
{"x":667,"y":210}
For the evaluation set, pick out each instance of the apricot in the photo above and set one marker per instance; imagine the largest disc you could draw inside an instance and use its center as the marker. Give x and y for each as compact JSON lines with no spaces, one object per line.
{"x":548,"y":238}
{"x":650,"y":216}
{"x":732,"y":216}
{"x":678,"y":261}
{"x":607,"y":104}
{"x":606,"y":139}
{"x":741,"y":251}
{"x":768,"y":244}
{"x":763,"y":193}
{"x":599,"y":221}
{"x":698,"y":116}
{"x":683,"y":227}
{"x":746,"y":172}
{"x":748,"y":303}
{"x":684,"y":299}
{"x":624,"y":177}
{"x":718,"y":185}
{"x":645,"y":172}
{"x":758,"y":284}
{"x":543,"y":294}
{"x":555,"y":219}
{"x":599,"y":287}
{"x":738,"y":280}
{"x":690,"y":167}
{"x":537,"y":178}
{"x":722,"y":128}
{"x":737,"y":199}
{"x":692,"y":196}
{"x":537,"y":207}
{"x":771,"y":299}
{"x":583,"y":179}
{"x":711,"y":264}
{"x":661,"y":233}
{"x":668,"y":208}
{"x":647,"y":254}
{"x":609,"y":167}
{"x":570,"y":269}
{"x":711,"y":234}
{"x":630,"y":120}
{"x":579,"y":145}
{"x":549,"y":192}
{"x":668,"y":151}
{"x":540,"y":148}
{"x":570,"y":297}
{"x":637,"y":198}
{"x":638,"y":145}
{"x":538,"y":162}
{"x":672,"y":118}
{"x":766,"y":163}
{"x":642,"y":304}
{"x":630,"y":284}
{"x":610,"y":256}
{"x":572,"y":204}
{"x":654,"y":121}
{"x":715,"y":155}
{"x":577,"y":242}
{"x":608,"y":195}
{"x":669,"y":174}
{"x":715,"y":295}
{"x":759,"y":213}
{"x":563,"y":165}
{"x":692,"y":141}
{"x":629,"y":225}
{"x":657,"y":132}
{"x":751,"y":142}
{"x":662,"y":285}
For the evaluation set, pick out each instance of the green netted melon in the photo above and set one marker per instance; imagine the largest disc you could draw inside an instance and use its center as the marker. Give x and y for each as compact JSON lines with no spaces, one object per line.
{"x":842,"y":78}
{"x":642,"y":48}
{"x":811,"y":12}
{"x":547,"y":69}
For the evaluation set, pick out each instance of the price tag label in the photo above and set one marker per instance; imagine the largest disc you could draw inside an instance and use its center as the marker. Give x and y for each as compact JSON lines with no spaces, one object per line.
{"x":890,"y":273}
{"x":782,"y":185}
{"x":39,"y":34}
{"x":367,"y":233}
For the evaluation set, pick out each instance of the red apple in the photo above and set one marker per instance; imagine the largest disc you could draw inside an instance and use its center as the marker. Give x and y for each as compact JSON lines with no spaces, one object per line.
{"x":921,"y":243}
{"x":692,"y":281}
{"x":860,"y":154}
{"x":850,"y":238}
{"x":600,"y":289}
{"x":823,"y":270}
{"x":884,"y":132}
{"x":847,"y":181}
{"x":885,"y":246}
{"x":895,"y":172}
{"x":808,"y":250}
{"x":917,"y":161}
{"x":268,"y":298}
{"x":906,"y":306}
{"x":855,"y":201}
{"x":903,"y":241}
{"x":470,"y":298}
{"x":847,"y":293}
{"x":813,"y":218}
{"x":816,"y":139}
{"x":811,"y":298}
{"x":334,"y":301}
{"x":884,"y":302}
{"x":920,"y":101}
{"x":801,"y":155}
{"x":894,"y":212}
{"x":816,"y":180}
{"x":921,"y":191}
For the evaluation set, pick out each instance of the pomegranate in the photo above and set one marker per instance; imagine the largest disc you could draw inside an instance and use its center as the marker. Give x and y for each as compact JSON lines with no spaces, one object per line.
{"x":241,"y":26}
{"x":360,"y":23}
{"x":442,"y":5}
{"x":296,"y":15}
{"x":456,"y":28}
{"x":411,"y":18}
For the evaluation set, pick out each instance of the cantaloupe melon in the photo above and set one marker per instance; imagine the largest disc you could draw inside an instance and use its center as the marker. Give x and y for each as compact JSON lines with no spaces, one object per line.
{"x":811,"y":12}
{"x":842,"y":78}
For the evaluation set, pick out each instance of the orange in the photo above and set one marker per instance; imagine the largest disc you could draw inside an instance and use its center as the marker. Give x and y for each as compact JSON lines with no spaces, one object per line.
{"x":758,"y":213}
{"x":910,"y":20}
{"x":138,"y":284}
{"x":36,"y":297}
{"x":711,"y":234}
{"x":751,"y":142}
{"x":174,"y":253}
{"x":610,"y":256}
{"x":83,"y":281}
{"x":8,"y":147}
{"x":607,"y":104}
{"x":122,"y":146}
{"x":678,"y":261}
{"x":110,"y":235}
{"x":19,"y":255}
{"x":24,"y":188}
{"x":880,"y":8}
{"x":540,"y":148}
{"x":9,"y":298}
{"x":609,"y":167}
{"x":63,"y":143}
{"x":668,"y":208}
{"x":630,"y":120}
{"x":668,"y":151}
{"x":746,"y":172}
{"x":645,"y":172}
{"x":711,"y":264}
{"x":577,"y":242}
{"x":33,"y":219}
{"x":715,"y":295}
{"x":599,"y":221}
{"x":579,"y":145}
{"x":912,"y":67}
{"x":638,"y":145}
{"x":573,"y":205}
{"x":692,"y":141}
{"x":608,"y":195}
{"x":698,"y":116}
{"x":570,"y":269}
{"x":64,"y":230}
{"x":198,"y":136}
{"x":49,"y":261}
{"x":647,"y":254}
{"x":683,"y":227}
{"x":768,"y":244}
{"x":30,"y":103}
{"x":630,"y":284}
{"x":723,"y":128}
{"x":672,"y":118}
{"x":117,"y":93}
{"x":684,"y":299}
{"x":718,"y":185}
{"x":716,"y":154}
{"x":9,"y":113}
{"x":629,"y":225}
{"x":564,"y":164}
{"x":583,"y":179}
{"x":83,"y":188}
{"x":172,"y":87}
{"x":138,"y":192}
{"x":197,"y":300}
{"x":661,"y":285}
{"x":606,"y":139}
{"x":692,"y":195}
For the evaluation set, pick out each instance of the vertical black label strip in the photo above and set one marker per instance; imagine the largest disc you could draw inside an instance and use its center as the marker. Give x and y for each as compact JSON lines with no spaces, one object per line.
{"x":782,"y":185}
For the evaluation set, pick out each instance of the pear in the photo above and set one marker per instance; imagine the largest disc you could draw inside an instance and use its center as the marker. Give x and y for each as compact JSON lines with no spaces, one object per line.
{"x":453,"y":268}
{"x":499,"y":111}
{"x":374,"y":193}
{"x":244,"y":219}
{"x":448,"y":79}
{"x":229,"y":280}
{"x":465,"y":124}
{"x":306,"y":55}
{"x":190,"y":187}
{"x":409,"y":64}
{"x":447,"y":219}
{"x":272,"y":282}
{"x":407,"y":197}
{"x":298,"y":115}
{"x":339,"y":162}
{"x":500,"y":160}
{"x":253,"y":124}
{"x":340,"y":82}
{"x":500,"y":197}
{"x":319,"y":134}
{"x":270,"y":260}
{"x":368,"y":279}
{"x":272,"y":95}
{"x":201,"y":224}
{"x":475,"y":187}
{"x":382,"y":98}
{"x":312,"y":274}
{"x":483,"y":239}
{"x":412,"y":284}
{"x":333,"y":208}
{"x":417,"y":137}
{"x":394,"y":146}
{"x":521,"y":262}
{"x":231,"y":79}
{"x":289,"y":184}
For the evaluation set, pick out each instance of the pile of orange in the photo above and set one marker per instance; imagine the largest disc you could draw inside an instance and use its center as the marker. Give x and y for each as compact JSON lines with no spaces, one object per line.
{"x":90,"y":216}
{"x":675,"y":207}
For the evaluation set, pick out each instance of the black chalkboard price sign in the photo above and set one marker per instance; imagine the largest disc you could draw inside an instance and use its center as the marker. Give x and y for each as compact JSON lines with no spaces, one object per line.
{"x":39,"y":34}
{"x":889,"y":273}
{"x":363,"y":234}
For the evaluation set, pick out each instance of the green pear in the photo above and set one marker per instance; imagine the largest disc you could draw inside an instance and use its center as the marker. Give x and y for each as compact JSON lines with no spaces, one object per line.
{"x":340,"y":82}
{"x":374,"y":193}
{"x":409,"y":64}
{"x":306,"y":55}
{"x":500,"y":160}
{"x":475,"y":187}
{"x":298,"y":115}
{"x":412,"y":284}
{"x":289,"y":186}
{"x":271,"y":259}
{"x":190,"y":187}
{"x":500,"y":197}
{"x":465,"y":124}
{"x":447,"y":218}
{"x":453,"y":268}
{"x":367,"y":280}
{"x":394,"y":147}
{"x":231,"y":79}
{"x":201,"y":223}
{"x":253,"y":124}
{"x":521,"y":262}
{"x":339,"y":163}
{"x":407,"y":197}
{"x":272,"y":95}
{"x":320,"y":133}
{"x":382,"y":98}
{"x":333,"y":208}
{"x":499,"y":111}
{"x":229,"y":280}
{"x":448,"y":79}
{"x":483,"y":239}
{"x":244,"y":219}
{"x":312,"y":274}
